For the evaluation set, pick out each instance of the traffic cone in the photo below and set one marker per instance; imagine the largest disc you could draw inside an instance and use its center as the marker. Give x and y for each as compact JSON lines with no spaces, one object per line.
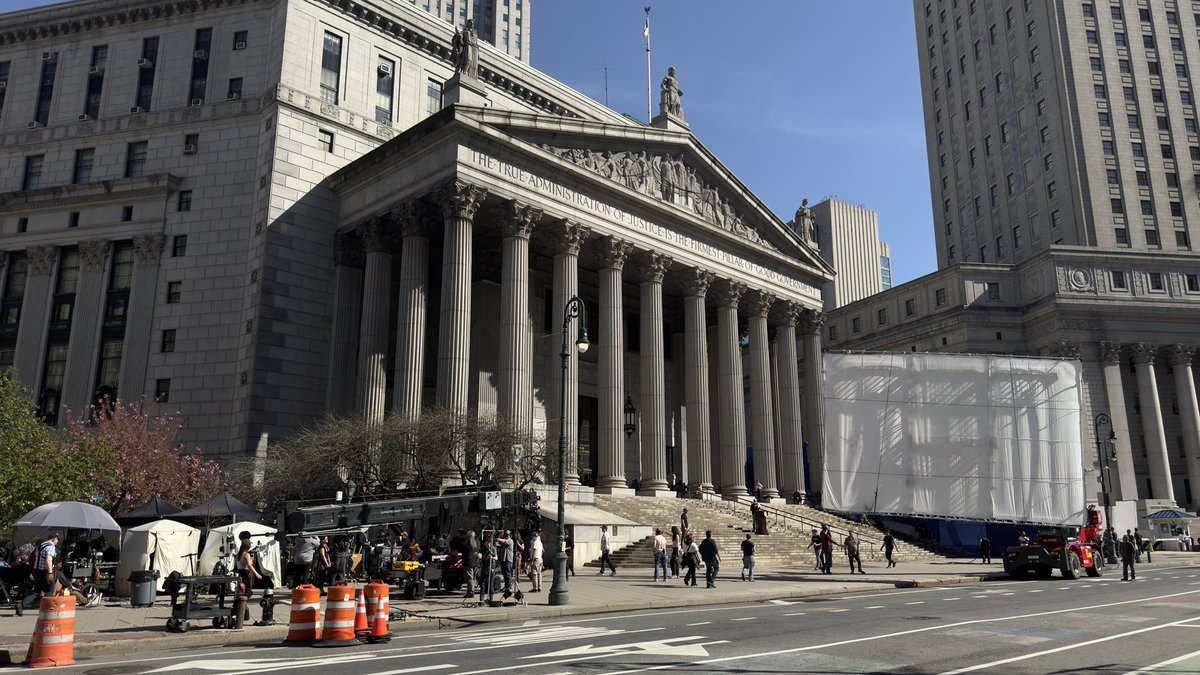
{"x":304,"y":624}
{"x":340,"y":608}
{"x":379,"y":622}
{"x":360,"y":615}
{"x":53,"y":642}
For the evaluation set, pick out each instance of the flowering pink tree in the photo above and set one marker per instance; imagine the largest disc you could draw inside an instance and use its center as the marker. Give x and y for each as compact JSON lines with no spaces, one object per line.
{"x":135,"y":456}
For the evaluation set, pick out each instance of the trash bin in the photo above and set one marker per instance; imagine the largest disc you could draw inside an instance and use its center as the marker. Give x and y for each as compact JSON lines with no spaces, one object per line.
{"x":143,"y":586}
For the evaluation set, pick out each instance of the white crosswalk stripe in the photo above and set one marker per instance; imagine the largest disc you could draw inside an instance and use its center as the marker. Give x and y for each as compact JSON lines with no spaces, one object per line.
{"x":538,"y":634}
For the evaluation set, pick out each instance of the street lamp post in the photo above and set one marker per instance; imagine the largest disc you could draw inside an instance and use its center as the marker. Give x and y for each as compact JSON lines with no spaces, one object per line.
{"x":574,"y":308}
{"x":1108,"y":546}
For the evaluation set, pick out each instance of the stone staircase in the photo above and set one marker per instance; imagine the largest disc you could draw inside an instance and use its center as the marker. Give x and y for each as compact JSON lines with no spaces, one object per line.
{"x":778,"y":549}
{"x":789,"y":525}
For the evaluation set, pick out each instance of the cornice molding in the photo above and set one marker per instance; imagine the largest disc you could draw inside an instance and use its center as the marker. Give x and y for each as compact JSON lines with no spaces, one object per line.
{"x":119,"y":189}
{"x":149,"y":11}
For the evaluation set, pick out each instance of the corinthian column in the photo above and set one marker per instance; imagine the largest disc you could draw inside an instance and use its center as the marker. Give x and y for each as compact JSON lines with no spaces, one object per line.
{"x":611,"y":461}
{"x":652,"y":267}
{"x":1125,"y":486}
{"x":761,"y":407}
{"x":814,"y":396}
{"x":731,"y":405}
{"x":1189,"y":411}
{"x":568,"y":237}
{"x":459,"y":201}
{"x":35,"y":306}
{"x":376,"y":234}
{"x":147,"y":250}
{"x":417,"y":221}
{"x":347,"y":317}
{"x":699,"y":445}
{"x":791,"y":438}
{"x":1152,"y":421}
{"x":515,"y":371}
{"x":714,"y":401}
{"x":85,"y":327}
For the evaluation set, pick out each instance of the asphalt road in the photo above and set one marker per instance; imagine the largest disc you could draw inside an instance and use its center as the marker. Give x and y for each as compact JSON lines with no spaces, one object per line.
{"x":1038,"y":626}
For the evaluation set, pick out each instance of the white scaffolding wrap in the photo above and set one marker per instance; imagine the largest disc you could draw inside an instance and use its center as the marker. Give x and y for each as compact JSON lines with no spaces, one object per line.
{"x":954,"y":436}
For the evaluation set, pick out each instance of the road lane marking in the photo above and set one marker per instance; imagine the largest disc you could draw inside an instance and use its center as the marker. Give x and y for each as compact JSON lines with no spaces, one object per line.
{"x":839,"y":610}
{"x":911,"y":631}
{"x":796,"y":614}
{"x":701,"y":623}
{"x":1163,"y":664}
{"x":876,"y":607}
{"x":745,"y":618}
{"x":1036,"y":590}
{"x":919,"y":602}
{"x":1077,"y":645}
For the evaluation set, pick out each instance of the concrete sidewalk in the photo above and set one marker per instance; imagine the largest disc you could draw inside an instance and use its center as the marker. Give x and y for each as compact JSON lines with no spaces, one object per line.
{"x":115,"y":627}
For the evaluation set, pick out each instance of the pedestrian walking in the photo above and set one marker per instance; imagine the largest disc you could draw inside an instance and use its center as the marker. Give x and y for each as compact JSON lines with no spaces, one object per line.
{"x":691,"y":559}
{"x":1137,"y":542}
{"x":827,"y":545}
{"x":1128,"y":558}
{"x":1149,"y":541}
{"x":487,"y":568}
{"x":520,"y":554}
{"x":674,"y":551}
{"x":243,"y":564}
{"x":569,"y":549}
{"x":43,"y":565}
{"x":536,"y":551}
{"x":323,"y":564}
{"x":814,"y":542}
{"x":889,"y":546}
{"x":303,"y":555}
{"x":605,"y":550}
{"x":660,"y":554}
{"x":985,"y":550}
{"x":747,"y":559}
{"x":851,"y":546}
{"x":712,"y":559}
{"x":470,"y":562}
{"x":683,"y":522}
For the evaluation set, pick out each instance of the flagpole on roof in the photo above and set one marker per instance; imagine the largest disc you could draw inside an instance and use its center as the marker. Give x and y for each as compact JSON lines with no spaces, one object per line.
{"x":646,"y":36}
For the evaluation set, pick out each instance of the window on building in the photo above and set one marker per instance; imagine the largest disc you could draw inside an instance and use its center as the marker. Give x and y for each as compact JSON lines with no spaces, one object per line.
{"x":982,"y":254}
{"x":1181,"y":71}
{"x":1163,"y":124}
{"x":84,"y":160}
{"x":1185,"y":97}
{"x":1148,"y":41}
{"x":135,"y":159}
{"x":1004,"y":132}
{"x":4,"y":68}
{"x":1143,"y":178}
{"x":325,"y":140}
{"x":1120,"y":39}
{"x":1118,"y":280}
{"x":940,"y":297}
{"x":201,"y":46}
{"x":1117,"y":205}
{"x":174,"y":292}
{"x":331,"y":68}
{"x":1133,"y":121}
{"x":1176,"y":209}
{"x":234,"y":91}
{"x":179,"y":246}
{"x":1113,"y":177}
{"x":1138,"y":150}
{"x":95,"y":82}
{"x":1147,"y":207}
{"x":1152,"y":66}
{"x":1176,"y":44}
{"x":1016,"y":237}
{"x":433,"y":96}
{"x":1168,"y":152}
{"x":32,"y":178}
{"x":1093,"y":39}
{"x":167,"y":344}
{"x":162,"y":390}
{"x":240,"y":40}
{"x":856,"y":325}
{"x":146,"y":69}
{"x":126,"y":214}
{"x":385,"y":85}
{"x":1122,"y":236}
{"x":1172,"y":179}
{"x":1109,"y":148}
{"x":1100,"y":91}
{"x":1156,"y":281}
{"x":910,"y":307}
{"x":882,"y":316}
{"x":833,"y":333}
{"x":1051,"y":190}
{"x":1055,"y":219}
{"x":1181,"y":240}
{"x":1152,"y":237}
{"x":993,"y":290}
{"x":1123,"y":66}
{"x":950,"y":251}
{"x":1105,"y":120}
{"x":1193,"y":282}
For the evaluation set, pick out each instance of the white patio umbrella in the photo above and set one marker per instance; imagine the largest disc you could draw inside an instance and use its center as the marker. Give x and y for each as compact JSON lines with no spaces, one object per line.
{"x":62,"y":516}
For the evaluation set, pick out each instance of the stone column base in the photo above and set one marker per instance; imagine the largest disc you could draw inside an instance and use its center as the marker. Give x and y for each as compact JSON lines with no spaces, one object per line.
{"x":619,"y":491}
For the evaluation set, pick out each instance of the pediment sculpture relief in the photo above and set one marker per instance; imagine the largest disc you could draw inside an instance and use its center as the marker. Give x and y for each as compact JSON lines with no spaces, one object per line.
{"x":667,"y":178}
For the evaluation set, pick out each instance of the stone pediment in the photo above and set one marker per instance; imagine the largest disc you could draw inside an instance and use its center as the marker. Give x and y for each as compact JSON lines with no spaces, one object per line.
{"x":669,"y":179}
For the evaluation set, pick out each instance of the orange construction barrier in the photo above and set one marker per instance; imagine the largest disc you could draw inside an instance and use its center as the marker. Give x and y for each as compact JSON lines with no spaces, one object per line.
{"x":379,"y":620}
{"x":340,"y":608}
{"x":360,"y":615}
{"x":53,"y":642}
{"x":304,"y":624}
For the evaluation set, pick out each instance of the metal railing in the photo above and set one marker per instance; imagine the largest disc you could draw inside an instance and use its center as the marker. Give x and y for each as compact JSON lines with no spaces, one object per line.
{"x":802,"y":523}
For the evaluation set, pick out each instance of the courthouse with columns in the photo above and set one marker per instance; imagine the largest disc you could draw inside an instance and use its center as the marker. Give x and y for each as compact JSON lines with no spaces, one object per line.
{"x":362,"y":212}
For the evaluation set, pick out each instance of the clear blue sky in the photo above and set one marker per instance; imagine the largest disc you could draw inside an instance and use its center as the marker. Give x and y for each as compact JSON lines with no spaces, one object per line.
{"x":799,"y":98}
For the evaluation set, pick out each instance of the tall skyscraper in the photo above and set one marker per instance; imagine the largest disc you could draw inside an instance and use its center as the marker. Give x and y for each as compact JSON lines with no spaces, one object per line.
{"x":503,"y":23}
{"x":848,"y":239}
{"x":1055,"y":122}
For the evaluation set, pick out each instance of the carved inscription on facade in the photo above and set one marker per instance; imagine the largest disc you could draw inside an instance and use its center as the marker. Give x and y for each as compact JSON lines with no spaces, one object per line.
{"x":616,"y":215}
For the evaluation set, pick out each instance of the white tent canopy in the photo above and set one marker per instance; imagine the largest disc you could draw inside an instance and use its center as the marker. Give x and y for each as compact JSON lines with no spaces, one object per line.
{"x":262,"y":538}
{"x":163,"y":545}
{"x":954,"y":436}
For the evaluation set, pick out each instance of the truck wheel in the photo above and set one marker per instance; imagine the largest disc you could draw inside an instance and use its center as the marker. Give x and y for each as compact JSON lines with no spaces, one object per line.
{"x":1097,"y":567}
{"x":1071,"y":566}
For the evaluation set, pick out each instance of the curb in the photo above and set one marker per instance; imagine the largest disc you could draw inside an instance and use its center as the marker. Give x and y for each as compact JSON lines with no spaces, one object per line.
{"x":15,"y":653}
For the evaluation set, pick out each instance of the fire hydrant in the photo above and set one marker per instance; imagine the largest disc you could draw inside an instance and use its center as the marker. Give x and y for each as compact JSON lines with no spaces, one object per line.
{"x":267,"y":602}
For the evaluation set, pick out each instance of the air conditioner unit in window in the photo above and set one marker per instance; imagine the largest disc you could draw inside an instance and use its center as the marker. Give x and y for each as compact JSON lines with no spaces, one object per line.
{"x":200,"y":55}
{"x":34,"y":125}
{"x":49,"y":57}
{"x":233,"y":97}
{"x":238,"y":46}
{"x":197,"y":102}
{"x":135,"y":110}
{"x":145,"y":64}
{"x":3,"y":85}
{"x":385,"y":69}
{"x":189,"y":149}
{"x":84,"y":117}
{"x":95,"y":70}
